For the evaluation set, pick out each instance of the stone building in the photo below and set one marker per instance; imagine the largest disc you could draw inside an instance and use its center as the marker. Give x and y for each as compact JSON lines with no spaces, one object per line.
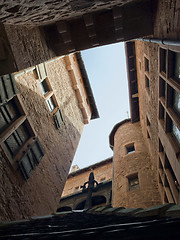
{"x":43,"y":110}
{"x":74,"y":198}
{"x":34,"y":31}
{"x":146,"y":148}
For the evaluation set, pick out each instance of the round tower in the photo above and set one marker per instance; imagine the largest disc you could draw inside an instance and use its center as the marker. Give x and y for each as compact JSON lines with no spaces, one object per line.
{"x":134,"y":181}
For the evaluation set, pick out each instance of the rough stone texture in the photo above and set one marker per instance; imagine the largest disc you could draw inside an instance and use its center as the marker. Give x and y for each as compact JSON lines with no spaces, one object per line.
{"x":104,"y":171}
{"x":167,"y":19}
{"x":40,"y":194}
{"x":128,"y":164}
{"x":33,"y":12}
{"x":32,"y":48}
{"x":148,"y":99}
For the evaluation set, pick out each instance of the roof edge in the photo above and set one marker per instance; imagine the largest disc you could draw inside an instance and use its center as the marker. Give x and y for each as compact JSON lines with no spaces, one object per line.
{"x":115,"y":128}
{"x":95,"y":113}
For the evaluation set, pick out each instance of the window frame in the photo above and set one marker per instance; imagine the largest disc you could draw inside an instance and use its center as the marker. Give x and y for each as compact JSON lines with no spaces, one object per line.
{"x":130,"y":178}
{"x":22,"y":119}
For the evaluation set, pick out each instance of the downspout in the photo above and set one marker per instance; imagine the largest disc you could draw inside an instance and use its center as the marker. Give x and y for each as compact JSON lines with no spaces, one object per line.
{"x":160,"y":41}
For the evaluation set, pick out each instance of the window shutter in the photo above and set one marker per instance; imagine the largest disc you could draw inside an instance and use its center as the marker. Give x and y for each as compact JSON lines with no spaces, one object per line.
{"x":41,"y":71}
{"x":58,"y":119}
{"x":8,"y":88}
{"x":37,"y":150}
{"x":31,"y":158}
{"x":26,"y":165}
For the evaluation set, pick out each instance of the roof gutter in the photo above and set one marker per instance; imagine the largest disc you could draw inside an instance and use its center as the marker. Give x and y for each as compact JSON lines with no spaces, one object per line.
{"x":160,"y":41}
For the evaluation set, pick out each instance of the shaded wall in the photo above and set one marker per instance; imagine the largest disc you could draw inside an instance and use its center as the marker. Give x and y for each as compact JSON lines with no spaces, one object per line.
{"x":40,"y":194}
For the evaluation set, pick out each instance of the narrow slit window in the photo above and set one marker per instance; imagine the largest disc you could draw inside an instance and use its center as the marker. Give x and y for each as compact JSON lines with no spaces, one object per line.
{"x":51,"y":104}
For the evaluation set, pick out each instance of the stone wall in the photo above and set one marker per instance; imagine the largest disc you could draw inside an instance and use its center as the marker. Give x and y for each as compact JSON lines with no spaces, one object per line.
{"x":148,"y":97}
{"x":40,"y":194}
{"x":74,"y":182}
{"x":33,"y":12}
{"x":127,"y":165}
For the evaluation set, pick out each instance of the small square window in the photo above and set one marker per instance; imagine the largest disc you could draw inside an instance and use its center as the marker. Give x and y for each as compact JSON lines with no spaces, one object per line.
{"x":130,"y":149}
{"x":103,"y":179}
{"x":76,"y":189}
{"x":133,"y":182}
{"x":51,"y":104}
{"x":45,"y":87}
{"x":146,"y":62}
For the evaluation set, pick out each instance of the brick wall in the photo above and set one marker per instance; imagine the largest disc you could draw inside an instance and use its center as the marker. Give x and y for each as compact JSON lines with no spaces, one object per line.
{"x":101,"y":172}
{"x":127,"y":165}
{"x":40,"y":194}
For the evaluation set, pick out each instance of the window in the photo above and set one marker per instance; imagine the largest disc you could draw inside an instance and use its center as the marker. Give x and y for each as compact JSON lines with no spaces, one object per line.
{"x":76,"y":189}
{"x":146,"y":63}
{"x":51,"y":103}
{"x":49,"y":95}
{"x":163,"y":54}
{"x":130,"y":148}
{"x":133,"y":182}
{"x":176,"y":68}
{"x":147,"y":82}
{"x":44,"y":86}
{"x":167,"y":178}
{"x":8,"y":114}
{"x":175,"y":132}
{"x":103,"y":179}
{"x":17,"y":138}
{"x":148,"y":126}
{"x":169,"y":94}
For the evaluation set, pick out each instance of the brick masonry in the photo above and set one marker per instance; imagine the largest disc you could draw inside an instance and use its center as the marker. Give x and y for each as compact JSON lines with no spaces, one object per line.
{"x":104,"y":171}
{"x":40,"y":194}
{"x":126,"y":165}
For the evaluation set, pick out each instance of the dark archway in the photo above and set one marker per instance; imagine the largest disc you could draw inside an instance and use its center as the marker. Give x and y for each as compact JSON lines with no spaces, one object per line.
{"x":96,"y":200}
{"x":64,"y":209}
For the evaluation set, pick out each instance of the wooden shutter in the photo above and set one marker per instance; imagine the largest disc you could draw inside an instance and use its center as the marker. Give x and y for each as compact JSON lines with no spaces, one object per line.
{"x":31,"y":158}
{"x":41,"y":71}
{"x":8,"y":88}
{"x":58,"y":119}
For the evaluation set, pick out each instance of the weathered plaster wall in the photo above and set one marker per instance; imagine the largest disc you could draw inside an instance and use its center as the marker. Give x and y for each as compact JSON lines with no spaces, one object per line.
{"x":40,"y":194}
{"x":128,"y":164}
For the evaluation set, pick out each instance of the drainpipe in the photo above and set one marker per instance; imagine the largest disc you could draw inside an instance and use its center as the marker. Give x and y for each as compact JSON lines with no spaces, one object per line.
{"x":160,"y":41}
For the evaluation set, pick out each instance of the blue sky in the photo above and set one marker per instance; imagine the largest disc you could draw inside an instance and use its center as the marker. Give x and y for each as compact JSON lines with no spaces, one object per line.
{"x":106,"y":69}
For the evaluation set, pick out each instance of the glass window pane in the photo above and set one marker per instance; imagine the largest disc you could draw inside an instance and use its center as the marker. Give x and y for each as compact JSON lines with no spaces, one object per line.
{"x":51,"y":104}
{"x":177,"y":65}
{"x":133,"y":182}
{"x":176,"y":132}
{"x":44,"y":87}
{"x":8,"y":113}
{"x":176,"y":101}
{"x":16,"y":140}
{"x":12,"y":144}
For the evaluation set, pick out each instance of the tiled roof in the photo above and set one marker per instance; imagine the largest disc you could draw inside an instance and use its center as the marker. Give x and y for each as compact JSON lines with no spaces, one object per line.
{"x":160,"y":222}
